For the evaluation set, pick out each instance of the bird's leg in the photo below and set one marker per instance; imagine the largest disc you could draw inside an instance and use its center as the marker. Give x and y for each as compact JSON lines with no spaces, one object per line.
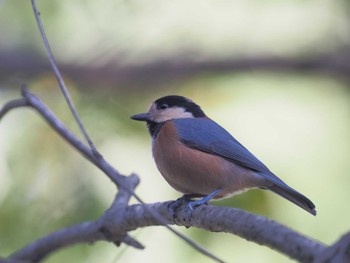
{"x":193,"y":204}
{"x":178,"y":202}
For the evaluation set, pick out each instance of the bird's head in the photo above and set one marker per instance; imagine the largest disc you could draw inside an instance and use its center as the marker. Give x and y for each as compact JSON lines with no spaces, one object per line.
{"x":168,"y":108}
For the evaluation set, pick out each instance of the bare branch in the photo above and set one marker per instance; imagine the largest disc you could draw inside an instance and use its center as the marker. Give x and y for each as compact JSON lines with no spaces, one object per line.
{"x":87,"y":232}
{"x":338,"y":252}
{"x":12,"y":105}
{"x":249,"y":226}
{"x":60,"y":79}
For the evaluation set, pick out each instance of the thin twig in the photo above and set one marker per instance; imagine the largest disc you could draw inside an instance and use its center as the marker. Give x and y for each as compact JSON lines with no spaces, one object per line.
{"x":12,"y":105}
{"x":60,"y":79}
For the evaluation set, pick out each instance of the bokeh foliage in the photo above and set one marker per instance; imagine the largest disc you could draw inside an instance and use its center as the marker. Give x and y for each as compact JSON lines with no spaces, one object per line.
{"x":297,"y":123}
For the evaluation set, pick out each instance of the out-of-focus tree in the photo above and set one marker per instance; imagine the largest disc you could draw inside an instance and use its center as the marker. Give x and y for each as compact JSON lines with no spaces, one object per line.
{"x":275,"y":74}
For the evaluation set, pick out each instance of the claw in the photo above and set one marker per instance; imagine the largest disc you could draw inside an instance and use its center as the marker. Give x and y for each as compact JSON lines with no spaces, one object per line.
{"x":190,"y":208}
{"x":175,"y":205}
{"x":178,"y":202}
{"x":191,"y":205}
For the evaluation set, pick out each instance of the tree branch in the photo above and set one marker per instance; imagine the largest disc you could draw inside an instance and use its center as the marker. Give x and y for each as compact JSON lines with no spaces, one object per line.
{"x":13,"y":105}
{"x":119,"y":222}
{"x":87,"y":232}
{"x":339,"y":252}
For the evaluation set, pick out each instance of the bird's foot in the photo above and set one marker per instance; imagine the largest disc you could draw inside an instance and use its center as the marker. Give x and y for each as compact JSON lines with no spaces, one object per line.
{"x":191,"y":204}
{"x":178,"y":202}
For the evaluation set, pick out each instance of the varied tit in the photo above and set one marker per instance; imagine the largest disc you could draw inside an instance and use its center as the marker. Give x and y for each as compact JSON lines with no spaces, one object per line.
{"x":199,"y":158}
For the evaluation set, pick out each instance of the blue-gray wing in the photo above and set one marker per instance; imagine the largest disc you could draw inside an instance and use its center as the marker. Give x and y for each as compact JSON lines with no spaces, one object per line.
{"x":206,"y":135}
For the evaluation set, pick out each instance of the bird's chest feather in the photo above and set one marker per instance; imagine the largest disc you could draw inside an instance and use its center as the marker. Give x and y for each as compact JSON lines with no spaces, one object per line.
{"x":191,"y":171}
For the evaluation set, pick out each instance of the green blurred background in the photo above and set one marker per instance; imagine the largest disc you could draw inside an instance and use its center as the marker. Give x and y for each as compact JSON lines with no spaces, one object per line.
{"x":276,"y":74}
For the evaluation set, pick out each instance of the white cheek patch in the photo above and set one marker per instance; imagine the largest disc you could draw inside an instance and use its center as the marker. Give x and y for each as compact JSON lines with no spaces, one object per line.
{"x":169,"y":114}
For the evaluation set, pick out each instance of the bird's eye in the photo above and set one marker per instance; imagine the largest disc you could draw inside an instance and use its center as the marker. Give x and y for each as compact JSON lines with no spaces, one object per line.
{"x":164,"y":106}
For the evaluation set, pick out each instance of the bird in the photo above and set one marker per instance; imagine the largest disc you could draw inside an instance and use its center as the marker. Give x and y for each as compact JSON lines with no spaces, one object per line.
{"x":200,"y":159}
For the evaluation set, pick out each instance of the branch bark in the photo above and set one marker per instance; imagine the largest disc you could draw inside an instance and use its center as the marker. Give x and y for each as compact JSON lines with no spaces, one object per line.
{"x":339,"y":252}
{"x":212,"y":218}
{"x":87,"y":232}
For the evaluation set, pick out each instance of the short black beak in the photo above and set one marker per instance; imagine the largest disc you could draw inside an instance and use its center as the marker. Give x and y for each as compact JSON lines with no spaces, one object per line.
{"x":140,"y":117}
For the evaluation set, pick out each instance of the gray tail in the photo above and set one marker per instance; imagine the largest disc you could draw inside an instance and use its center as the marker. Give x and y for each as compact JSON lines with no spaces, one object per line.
{"x":295,"y":197}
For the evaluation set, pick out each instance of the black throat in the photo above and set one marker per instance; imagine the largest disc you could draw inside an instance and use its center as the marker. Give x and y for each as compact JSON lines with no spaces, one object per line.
{"x":154,"y":128}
